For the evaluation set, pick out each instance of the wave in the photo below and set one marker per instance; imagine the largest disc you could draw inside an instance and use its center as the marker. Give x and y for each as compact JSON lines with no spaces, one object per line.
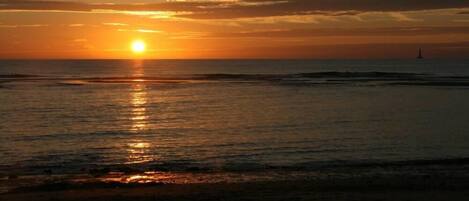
{"x":314,"y":78}
{"x":192,"y":166}
{"x":187,"y":171}
{"x":434,"y":83}
{"x":413,"y":163}
{"x":335,"y":74}
{"x":14,"y":75}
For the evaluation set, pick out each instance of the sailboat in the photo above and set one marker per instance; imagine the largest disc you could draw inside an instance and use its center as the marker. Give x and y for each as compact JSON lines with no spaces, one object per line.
{"x":420,"y":54}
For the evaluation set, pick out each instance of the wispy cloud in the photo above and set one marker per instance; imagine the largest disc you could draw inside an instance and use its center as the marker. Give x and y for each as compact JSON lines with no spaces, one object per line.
{"x":148,"y":31}
{"x":140,"y":30}
{"x":403,"y":18}
{"x":322,"y":32}
{"x":115,"y":24}
{"x":22,"y":25}
{"x":461,"y":20}
{"x":80,"y":40}
{"x":189,"y":35}
{"x":230,"y":9}
{"x":76,"y":25}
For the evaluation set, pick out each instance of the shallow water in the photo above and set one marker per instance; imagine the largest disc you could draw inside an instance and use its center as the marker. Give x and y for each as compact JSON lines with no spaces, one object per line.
{"x":75,"y":117}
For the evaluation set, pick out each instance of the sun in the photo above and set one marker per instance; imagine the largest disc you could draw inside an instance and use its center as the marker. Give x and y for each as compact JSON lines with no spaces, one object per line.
{"x":138,"y":46}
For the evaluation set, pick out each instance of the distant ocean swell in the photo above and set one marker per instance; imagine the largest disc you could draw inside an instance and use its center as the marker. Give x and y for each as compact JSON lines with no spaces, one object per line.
{"x":316,"y":78}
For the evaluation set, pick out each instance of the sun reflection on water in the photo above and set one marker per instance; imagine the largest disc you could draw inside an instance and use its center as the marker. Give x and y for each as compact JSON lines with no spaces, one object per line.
{"x":138,"y":152}
{"x":139,"y":100}
{"x":138,"y":149}
{"x":141,"y":178}
{"x":200,"y":177}
{"x":139,"y":115}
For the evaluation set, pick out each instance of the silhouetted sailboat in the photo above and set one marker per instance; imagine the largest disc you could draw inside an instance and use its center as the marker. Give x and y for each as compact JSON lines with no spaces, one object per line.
{"x":420,"y":54}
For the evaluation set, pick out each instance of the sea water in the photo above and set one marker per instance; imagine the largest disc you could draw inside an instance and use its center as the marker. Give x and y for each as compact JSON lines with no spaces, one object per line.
{"x":74,"y":117}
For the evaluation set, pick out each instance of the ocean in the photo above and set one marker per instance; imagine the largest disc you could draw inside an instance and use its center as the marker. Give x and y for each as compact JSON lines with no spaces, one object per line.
{"x":226,"y":120}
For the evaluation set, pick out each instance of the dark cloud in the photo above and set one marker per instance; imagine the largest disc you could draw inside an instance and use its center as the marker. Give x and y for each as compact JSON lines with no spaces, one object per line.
{"x":326,"y":7}
{"x":367,"y":5}
{"x":384,"y":31}
{"x":247,"y":8}
{"x":78,"y":6}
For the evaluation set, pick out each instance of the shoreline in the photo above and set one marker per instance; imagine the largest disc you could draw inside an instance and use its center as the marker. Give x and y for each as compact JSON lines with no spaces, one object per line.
{"x":415,"y":180}
{"x":428,"y":187}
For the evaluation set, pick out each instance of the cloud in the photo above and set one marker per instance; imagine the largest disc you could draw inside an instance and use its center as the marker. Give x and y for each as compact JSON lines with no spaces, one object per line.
{"x":403,"y":18}
{"x":22,"y":25}
{"x":140,"y":30}
{"x":76,"y":25}
{"x":114,"y":24}
{"x":223,"y":9}
{"x":461,"y":20}
{"x":148,"y":31}
{"x":80,"y":40}
{"x":321,"y":32}
{"x":81,"y":6}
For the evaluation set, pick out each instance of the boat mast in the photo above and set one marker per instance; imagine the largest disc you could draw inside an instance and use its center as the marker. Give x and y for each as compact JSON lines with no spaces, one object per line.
{"x":420,"y":54}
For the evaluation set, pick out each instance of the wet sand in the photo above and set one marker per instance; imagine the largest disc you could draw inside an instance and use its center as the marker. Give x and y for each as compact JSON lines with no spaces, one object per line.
{"x":425,"y":187}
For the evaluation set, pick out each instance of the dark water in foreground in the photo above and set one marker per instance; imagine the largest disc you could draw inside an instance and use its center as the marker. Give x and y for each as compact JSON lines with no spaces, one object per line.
{"x":258,"y":118}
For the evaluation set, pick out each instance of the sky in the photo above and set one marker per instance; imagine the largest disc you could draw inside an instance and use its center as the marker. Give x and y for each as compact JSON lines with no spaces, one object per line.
{"x":193,"y":29}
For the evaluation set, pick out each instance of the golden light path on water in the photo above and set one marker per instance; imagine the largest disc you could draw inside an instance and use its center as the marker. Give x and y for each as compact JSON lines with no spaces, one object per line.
{"x":138,"y":148}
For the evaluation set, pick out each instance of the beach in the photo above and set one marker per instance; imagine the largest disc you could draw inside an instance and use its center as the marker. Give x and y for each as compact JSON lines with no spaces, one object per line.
{"x":419,"y":180}
{"x":341,"y":189}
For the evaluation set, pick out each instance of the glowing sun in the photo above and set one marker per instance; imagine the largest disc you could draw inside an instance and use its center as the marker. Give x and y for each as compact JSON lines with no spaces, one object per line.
{"x":138,"y":46}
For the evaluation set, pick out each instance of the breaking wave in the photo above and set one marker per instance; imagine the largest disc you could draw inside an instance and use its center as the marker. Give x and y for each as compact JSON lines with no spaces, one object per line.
{"x":315,"y":78}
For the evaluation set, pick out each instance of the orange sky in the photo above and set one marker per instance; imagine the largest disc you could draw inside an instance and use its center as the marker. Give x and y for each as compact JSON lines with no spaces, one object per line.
{"x":234,"y":28}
